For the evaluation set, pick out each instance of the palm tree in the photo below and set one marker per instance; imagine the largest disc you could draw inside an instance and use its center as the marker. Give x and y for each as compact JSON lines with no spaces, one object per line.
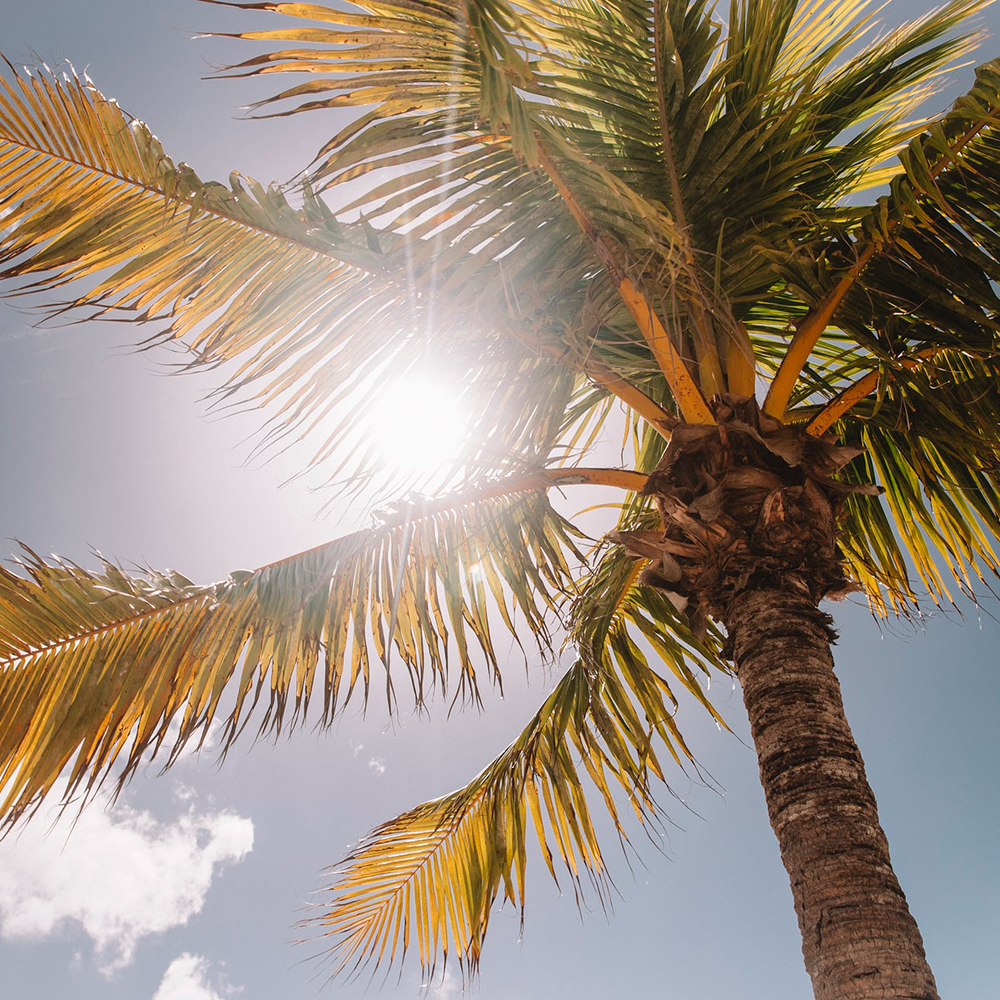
{"x":566,"y":206}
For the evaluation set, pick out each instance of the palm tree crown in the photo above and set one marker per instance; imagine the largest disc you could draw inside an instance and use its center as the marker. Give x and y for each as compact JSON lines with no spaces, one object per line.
{"x":560,"y":206}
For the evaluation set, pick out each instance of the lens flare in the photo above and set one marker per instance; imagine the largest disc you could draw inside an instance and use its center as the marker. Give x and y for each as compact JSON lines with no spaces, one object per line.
{"x":420,"y":426}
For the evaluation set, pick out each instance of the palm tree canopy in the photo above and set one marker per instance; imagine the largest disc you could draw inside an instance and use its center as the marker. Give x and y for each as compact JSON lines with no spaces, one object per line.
{"x":563,"y":205}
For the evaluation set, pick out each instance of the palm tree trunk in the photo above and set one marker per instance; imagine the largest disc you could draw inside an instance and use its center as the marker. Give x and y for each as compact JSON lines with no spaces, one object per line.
{"x":859,"y":940}
{"x":750,"y":513}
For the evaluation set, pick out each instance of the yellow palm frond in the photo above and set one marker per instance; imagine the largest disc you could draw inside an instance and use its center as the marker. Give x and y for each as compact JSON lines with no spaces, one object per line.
{"x":306,"y":316}
{"x":428,"y":879}
{"x":94,"y":667}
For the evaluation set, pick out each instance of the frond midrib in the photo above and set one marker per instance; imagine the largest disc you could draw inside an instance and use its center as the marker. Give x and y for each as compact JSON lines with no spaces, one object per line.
{"x":11,"y":662}
{"x":446,"y":828}
{"x":531,"y":482}
{"x":191,"y":202}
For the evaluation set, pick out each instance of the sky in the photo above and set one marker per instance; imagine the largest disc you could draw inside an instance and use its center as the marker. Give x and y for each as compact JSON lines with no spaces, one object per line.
{"x":190,"y":886}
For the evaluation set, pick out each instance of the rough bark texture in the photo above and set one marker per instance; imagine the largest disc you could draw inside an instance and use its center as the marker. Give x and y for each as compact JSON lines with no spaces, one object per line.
{"x":749,"y":510}
{"x":859,"y":940}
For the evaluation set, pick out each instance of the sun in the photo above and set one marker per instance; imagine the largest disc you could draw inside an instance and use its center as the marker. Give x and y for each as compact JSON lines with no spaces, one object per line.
{"x":420,"y":426}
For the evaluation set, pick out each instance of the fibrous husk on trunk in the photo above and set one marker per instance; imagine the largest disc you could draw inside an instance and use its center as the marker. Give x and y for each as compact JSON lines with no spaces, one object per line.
{"x":748,"y":500}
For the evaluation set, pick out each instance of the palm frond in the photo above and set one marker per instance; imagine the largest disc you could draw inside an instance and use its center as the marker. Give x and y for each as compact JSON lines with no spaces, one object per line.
{"x":460,"y":157}
{"x":302,"y":314}
{"x":739,"y":158}
{"x":429,"y":878}
{"x":781,"y":154}
{"x":95,"y":667}
{"x":930,"y":434}
{"x":920,"y":274}
{"x":931,"y":280}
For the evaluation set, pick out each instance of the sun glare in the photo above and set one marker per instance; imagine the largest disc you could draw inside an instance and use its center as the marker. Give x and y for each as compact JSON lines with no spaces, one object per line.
{"x":420,"y":427}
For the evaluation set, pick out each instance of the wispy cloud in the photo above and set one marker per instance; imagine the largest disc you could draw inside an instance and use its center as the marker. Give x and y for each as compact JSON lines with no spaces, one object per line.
{"x":186,"y":978}
{"x":119,"y":874}
{"x":447,"y":986}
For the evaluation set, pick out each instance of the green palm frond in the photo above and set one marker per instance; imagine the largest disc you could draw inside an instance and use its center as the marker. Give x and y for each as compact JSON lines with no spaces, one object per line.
{"x":94,"y":667}
{"x":919,"y":272}
{"x":428,"y":879}
{"x":919,"y":321}
{"x":789,"y":174}
{"x":748,"y":157}
{"x":930,"y":436}
{"x":931,"y":279}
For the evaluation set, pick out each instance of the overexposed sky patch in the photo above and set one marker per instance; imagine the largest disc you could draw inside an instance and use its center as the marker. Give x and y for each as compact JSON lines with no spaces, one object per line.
{"x":119,"y":875}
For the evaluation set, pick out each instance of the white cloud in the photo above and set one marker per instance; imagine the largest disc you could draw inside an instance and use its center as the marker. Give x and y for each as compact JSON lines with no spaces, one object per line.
{"x":376,"y":765}
{"x":187,"y":979}
{"x":119,"y":874}
{"x":448,"y":987}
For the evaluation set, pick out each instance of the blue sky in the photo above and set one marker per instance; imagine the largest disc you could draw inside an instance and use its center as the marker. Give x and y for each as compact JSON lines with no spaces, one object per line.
{"x":189,"y":889}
